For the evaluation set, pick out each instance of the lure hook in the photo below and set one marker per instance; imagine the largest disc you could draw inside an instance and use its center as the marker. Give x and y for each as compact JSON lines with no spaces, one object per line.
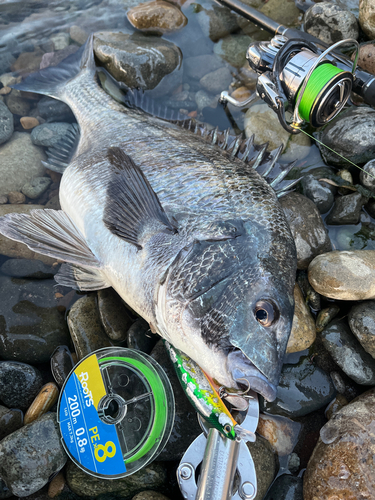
{"x":223,"y":393}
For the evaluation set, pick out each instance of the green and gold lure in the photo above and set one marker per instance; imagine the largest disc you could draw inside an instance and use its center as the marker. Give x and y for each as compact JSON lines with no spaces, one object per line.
{"x":204,"y":397}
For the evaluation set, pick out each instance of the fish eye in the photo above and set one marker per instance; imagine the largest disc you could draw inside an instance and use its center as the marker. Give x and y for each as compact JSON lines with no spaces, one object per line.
{"x":265,"y":313}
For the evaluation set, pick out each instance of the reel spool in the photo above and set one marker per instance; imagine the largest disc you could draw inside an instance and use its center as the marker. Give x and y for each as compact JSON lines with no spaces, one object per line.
{"x":116,"y":412}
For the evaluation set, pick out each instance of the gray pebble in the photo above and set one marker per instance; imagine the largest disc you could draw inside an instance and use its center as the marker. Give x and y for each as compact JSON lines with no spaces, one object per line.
{"x":348,"y":353}
{"x":19,"y":384}
{"x":367,"y":178}
{"x":362,"y":324}
{"x":309,"y":233}
{"x":346,"y":209}
{"x":48,"y":134}
{"x":28,"y":268}
{"x":36,"y":187}
{"x":338,"y":382}
{"x":197,"y":67}
{"x":17,"y":105}
{"x":233,"y":49}
{"x":10,"y":421}
{"x":318,"y":192}
{"x":61,"y":364}
{"x":29,"y":456}
{"x":217,"y":80}
{"x":114,"y":314}
{"x":6,"y":123}
{"x":286,"y":487}
{"x":204,"y":100}
{"x":140,"y":337}
{"x":53,"y":110}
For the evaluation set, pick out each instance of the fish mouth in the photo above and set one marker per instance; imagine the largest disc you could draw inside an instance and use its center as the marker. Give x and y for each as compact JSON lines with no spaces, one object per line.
{"x":242,"y":369}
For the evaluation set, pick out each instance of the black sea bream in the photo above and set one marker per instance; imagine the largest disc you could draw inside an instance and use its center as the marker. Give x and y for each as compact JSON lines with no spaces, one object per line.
{"x":188,"y":234}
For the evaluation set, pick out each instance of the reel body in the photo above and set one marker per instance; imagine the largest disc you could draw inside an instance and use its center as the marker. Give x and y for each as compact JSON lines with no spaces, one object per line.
{"x":296,"y":76}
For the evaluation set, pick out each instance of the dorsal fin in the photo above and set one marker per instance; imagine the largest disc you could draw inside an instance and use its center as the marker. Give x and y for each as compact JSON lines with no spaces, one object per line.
{"x":131,"y":202}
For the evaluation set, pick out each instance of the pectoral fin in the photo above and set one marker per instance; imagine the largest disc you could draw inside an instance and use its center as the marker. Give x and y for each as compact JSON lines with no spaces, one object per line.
{"x":131,"y":202}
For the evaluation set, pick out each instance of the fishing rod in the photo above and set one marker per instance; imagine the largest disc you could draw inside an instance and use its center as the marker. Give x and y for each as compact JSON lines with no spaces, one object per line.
{"x":301,"y":74}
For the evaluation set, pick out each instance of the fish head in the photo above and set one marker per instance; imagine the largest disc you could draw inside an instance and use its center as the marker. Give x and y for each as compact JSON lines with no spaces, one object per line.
{"x":229,"y":306}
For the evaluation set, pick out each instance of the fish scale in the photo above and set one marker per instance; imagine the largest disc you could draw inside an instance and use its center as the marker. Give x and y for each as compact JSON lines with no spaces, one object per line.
{"x":189,"y":235}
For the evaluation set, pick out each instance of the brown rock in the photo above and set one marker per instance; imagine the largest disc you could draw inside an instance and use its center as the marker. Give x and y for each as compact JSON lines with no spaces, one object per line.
{"x":342,"y":466}
{"x":157,"y":16}
{"x":281,"y":432}
{"x":16,"y":198}
{"x":150,"y":495}
{"x":17,"y":250}
{"x":29,"y":122}
{"x":241,"y":93}
{"x":56,"y":485}
{"x":303,"y":332}
{"x":3,"y":199}
{"x":344,"y":275}
{"x":366,"y":17}
{"x":265,"y":464}
{"x":27,"y":62}
{"x":366,"y":58}
{"x":44,"y":401}
{"x":284,"y":12}
{"x":335,"y":405}
{"x":5,"y":91}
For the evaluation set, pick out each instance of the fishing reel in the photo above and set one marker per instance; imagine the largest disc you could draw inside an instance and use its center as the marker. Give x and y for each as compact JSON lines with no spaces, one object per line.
{"x":297,"y":76}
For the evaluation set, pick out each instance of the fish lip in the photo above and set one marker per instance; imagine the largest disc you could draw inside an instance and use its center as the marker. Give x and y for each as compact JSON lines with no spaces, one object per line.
{"x":257,"y":381}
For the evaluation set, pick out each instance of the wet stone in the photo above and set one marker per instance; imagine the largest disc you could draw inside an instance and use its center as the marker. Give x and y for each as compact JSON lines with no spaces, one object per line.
{"x":311,"y":296}
{"x":261,"y":121}
{"x":216,"y":81}
{"x":303,"y":328}
{"x":56,"y":486}
{"x":217,"y":22}
{"x":19,"y":384}
{"x":232,"y":49}
{"x":367,"y":177}
{"x":294,"y":463}
{"x":346,"y":275}
{"x":309,"y":233}
{"x":286,"y":487}
{"x":140,"y":337}
{"x":204,"y":100}
{"x":350,"y":135}
{"x":16,"y":198}
{"x":335,"y":405}
{"x":31,"y":326}
{"x":152,"y":477}
{"x":150,"y":495}
{"x":10,"y":421}
{"x":303,"y":388}
{"x":330,"y":23}
{"x":77,"y":34}
{"x":284,"y":12}
{"x":348,"y":353}
{"x":346,"y":209}
{"x":29,"y":456}
{"x":85,"y":327}
{"x":16,"y":104}
{"x":61,"y":364}
{"x":281,"y":432}
{"x":53,"y":110}
{"x":265,"y":464}
{"x":4,"y":490}
{"x":54,"y":58}
{"x":157,"y":17}
{"x":362,"y":324}
{"x":27,"y":62}
{"x":366,"y":58}
{"x":28,"y":269}
{"x":366,"y":17}
{"x":6,"y":123}
{"x":48,"y":134}
{"x":342,"y":464}
{"x":318,"y":192}
{"x":197,"y":67}
{"x":43,"y":402}
{"x":36,"y":187}
{"x":20,"y":161}
{"x":114,"y":315}
{"x":185,"y":428}
{"x":60,"y":40}
{"x":136,"y":60}
{"x":325,"y":316}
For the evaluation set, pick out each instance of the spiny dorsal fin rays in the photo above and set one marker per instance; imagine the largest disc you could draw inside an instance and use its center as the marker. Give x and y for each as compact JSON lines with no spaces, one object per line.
{"x":131,"y":202}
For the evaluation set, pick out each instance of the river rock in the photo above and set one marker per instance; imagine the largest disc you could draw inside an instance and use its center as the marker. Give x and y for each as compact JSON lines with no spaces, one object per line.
{"x":216,"y":81}
{"x":346,"y":209}
{"x":20,"y":161}
{"x":348,"y":353}
{"x":151,"y":477}
{"x":284,"y":12}
{"x":367,"y":175}
{"x":48,"y":134}
{"x":114,"y":315}
{"x":19,"y":384}
{"x":85,"y":327}
{"x":297,"y":148}
{"x":77,"y":34}
{"x":232,"y":49}
{"x":362,"y":324}
{"x":366,"y":17}
{"x":303,"y":388}
{"x":286,"y":487}
{"x":53,"y":110}
{"x":43,"y":402}
{"x":16,"y":198}
{"x":309,"y":233}
{"x":28,"y":269}
{"x":263,"y":123}
{"x":330,"y":23}
{"x":350,"y":135}
{"x":335,"y":405}
{"x":303,"y":328}
{"x":366,"y":58}
{"x":264,"y":463}
{"x":204,"y":100}
{"x":185,"y":428}
{"x":150,"y":495}
{"x":311,"y":296}
{"x":6,"y":123}
{"x":197,"y":67}
{"x":325,"y":316}
{"x":29,"y":456}
{"x":157,"y":17}
{"x":61,"y":364}
{"x":36,"y":187}
{"x":320,"y":192}
{"x":342,"y":464}
{"x":136,"y":60}
{"x":31,"y":325}
{"x":16,"y":104}
{"x":281,"y":432}
{"x":140,"y":337}
{"x":344,"y":275}
{"x":60,"y":40}
{"x":10,"y":421}
{"x":216,"y":21}
{"x":28,"y":62}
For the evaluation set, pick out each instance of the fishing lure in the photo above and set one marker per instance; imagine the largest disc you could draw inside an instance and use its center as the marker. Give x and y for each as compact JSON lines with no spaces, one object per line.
{"x":204,"y":397}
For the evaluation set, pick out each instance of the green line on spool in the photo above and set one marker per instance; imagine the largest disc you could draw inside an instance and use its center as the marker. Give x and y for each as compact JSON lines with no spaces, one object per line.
{"x":317,"y":81}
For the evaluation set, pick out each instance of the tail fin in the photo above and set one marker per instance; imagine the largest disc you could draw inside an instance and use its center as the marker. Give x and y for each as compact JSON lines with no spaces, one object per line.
{"x":52,"y":80}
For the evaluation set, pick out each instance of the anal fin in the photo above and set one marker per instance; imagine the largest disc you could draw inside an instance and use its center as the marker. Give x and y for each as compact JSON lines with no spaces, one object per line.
{"x":131,"y":202}
{"x":61,"y":154}
{"x":81,"y":278}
